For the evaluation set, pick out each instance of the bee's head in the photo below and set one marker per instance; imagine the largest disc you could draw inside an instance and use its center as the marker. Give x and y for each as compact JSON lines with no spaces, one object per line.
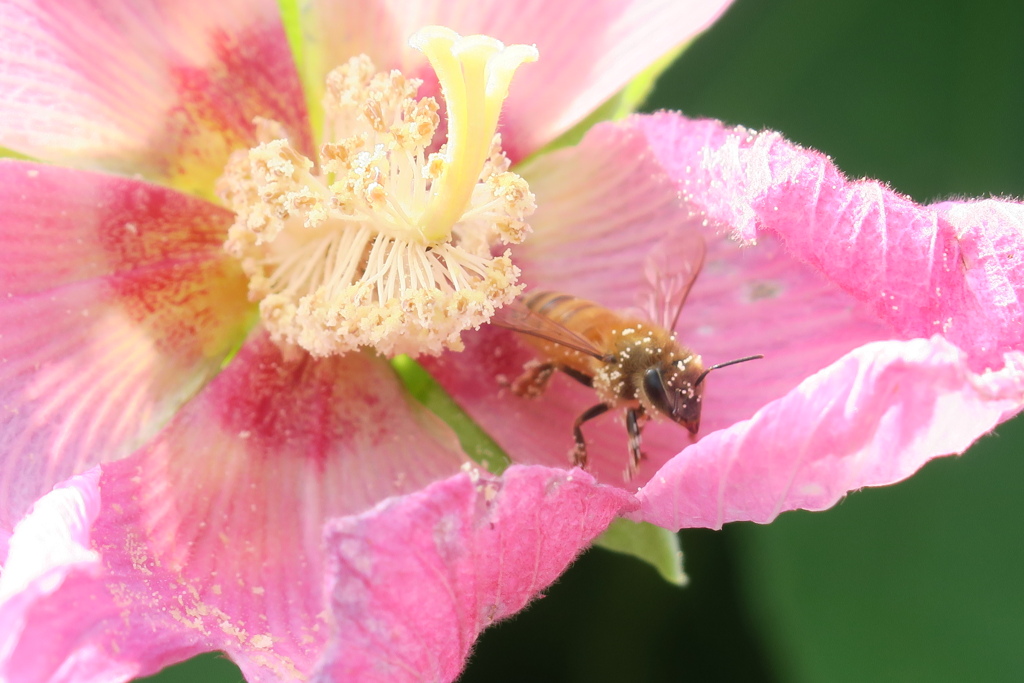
{"x":674,"y":389}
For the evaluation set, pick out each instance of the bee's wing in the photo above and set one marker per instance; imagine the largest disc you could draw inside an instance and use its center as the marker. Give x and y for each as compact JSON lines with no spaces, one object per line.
{"x":518,"y":317}
{"x":670,"y":270}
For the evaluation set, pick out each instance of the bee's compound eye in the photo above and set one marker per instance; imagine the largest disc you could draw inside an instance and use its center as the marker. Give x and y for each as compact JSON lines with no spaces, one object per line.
{"x":654,"y":387}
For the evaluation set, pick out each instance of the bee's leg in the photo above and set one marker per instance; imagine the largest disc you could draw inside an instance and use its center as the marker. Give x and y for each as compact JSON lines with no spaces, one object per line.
{"x":635,"y":420}
{"x":534,"y":380}
{"x":585,"y":380}
{"x":579,"y":453}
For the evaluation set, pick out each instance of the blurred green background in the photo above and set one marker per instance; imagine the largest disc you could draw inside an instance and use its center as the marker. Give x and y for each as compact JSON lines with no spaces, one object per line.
{"x":915,"y":582}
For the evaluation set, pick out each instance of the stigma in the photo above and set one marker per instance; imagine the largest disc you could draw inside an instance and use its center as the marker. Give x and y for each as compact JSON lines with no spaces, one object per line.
{"x":381,"y":242}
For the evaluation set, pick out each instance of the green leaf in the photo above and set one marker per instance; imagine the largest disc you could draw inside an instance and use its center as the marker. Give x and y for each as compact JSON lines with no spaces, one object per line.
{"x":208,"y":667}
{"x":651,"y":544}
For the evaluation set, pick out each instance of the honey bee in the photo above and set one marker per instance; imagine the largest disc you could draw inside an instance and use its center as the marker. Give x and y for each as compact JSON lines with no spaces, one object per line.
{"x":630,"y":360}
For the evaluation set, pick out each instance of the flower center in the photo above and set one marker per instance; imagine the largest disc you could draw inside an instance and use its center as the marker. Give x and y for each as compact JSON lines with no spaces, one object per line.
{"x":381,"y":243}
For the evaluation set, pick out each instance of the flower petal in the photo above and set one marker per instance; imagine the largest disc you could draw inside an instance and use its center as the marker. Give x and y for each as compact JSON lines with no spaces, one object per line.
{"x":588,"y":50}
{"x":873,"y":418}
{"x":119,"y":303}
{"x":52,"y":565}
{"x":602,"y":205}
{"x":953,"y":269}
{"x":417,"y":579}
{"x":165,"y":88}
{"x":211,"y":536}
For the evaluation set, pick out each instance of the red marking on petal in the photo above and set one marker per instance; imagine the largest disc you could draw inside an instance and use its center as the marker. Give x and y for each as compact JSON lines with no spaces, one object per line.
{"x":117,"y":303}
{"x":290,"y":405}
{"x":252,"y":76}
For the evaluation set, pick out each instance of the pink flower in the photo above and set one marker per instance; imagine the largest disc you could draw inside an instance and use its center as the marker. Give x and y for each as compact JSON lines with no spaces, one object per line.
{"x":214,"y":491}
{"x":304,"y":514}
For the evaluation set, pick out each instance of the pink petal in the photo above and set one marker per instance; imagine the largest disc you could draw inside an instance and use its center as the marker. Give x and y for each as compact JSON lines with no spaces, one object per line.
{"x":119,"y":303}
{"x":953,"y":269}
{"x":417,"y":579}
{"x":602,"y":207}
{"x":54,"y":534}
{"x":588,"y":50}
{"x":165,"y":88}
{"x":211,"y":536}
{"x":871,"y":419}
{"x":50,"y":562}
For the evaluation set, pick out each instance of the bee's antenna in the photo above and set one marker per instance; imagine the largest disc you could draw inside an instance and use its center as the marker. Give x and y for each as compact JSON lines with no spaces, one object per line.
{"x":724,"y":365}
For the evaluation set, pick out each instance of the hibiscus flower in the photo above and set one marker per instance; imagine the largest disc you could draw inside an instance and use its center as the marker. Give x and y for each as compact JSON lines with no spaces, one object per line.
{"x":220,"y":506}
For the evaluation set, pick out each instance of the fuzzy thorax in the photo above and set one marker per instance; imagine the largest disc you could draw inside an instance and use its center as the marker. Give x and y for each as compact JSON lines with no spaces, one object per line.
{"x":382,"y":243}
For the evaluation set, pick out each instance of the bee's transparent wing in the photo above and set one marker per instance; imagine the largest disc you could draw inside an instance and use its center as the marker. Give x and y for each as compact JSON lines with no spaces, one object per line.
{"x":670,"y":270}
{"x":518,"y":317}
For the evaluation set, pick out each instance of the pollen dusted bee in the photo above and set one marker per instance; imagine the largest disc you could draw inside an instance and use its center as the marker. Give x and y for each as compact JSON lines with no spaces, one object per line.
{"x":631,"y":362}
